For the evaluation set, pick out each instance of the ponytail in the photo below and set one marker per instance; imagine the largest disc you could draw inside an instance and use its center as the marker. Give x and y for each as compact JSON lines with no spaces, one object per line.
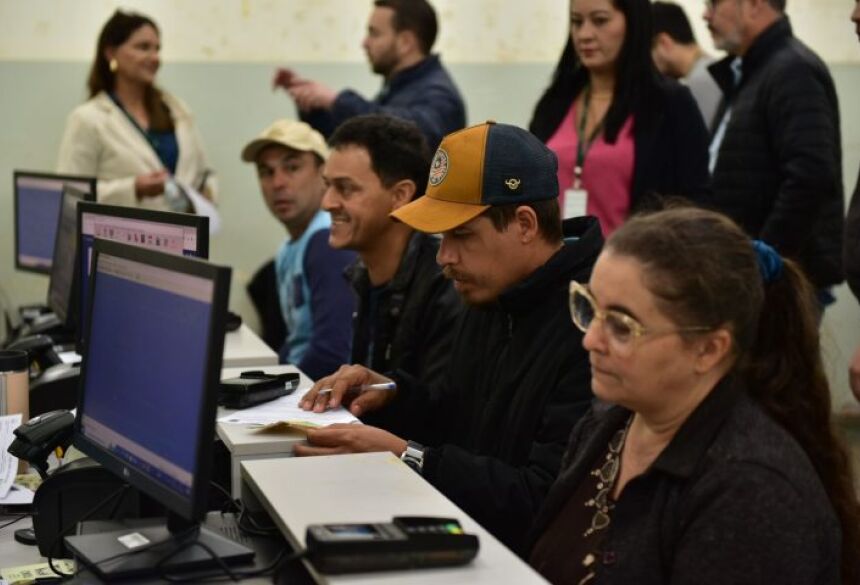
{"x":784,"y":372}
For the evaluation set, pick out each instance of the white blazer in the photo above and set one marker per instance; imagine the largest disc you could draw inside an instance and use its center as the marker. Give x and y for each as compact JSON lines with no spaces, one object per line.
{"x":101,"y":141}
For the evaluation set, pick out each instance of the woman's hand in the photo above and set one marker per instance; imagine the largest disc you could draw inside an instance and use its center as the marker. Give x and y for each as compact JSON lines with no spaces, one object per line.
{"x":151,"y":185}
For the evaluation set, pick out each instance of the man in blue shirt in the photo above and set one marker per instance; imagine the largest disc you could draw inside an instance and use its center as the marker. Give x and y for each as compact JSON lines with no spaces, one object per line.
{"x":400,"y":35}
{"x":316,"y":302}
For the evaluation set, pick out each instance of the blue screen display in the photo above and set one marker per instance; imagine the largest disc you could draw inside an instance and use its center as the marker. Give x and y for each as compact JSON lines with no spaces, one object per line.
{"x":146,"y":374}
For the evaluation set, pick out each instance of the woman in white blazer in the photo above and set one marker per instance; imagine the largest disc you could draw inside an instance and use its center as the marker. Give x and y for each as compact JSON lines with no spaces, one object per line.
{"x":139,"y":141}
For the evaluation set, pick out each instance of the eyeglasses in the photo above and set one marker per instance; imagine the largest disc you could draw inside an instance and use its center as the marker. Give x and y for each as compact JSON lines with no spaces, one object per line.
{"x":621,"y":329}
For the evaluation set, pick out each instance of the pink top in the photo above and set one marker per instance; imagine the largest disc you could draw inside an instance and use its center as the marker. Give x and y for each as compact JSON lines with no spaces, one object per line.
{"x":607,"y":175}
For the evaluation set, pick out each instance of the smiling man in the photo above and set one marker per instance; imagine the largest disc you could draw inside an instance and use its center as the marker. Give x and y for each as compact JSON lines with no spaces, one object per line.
{"x":491,"y":434}
{"x":316,"y":303}
{"x":400,"y":36}
{"x":403,"y":324}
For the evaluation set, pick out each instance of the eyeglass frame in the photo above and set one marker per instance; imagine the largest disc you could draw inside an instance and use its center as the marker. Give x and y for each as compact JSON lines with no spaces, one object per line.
{"x":637,"y":330}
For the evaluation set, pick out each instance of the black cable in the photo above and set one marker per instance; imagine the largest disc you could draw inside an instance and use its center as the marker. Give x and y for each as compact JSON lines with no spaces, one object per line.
{"x":121,"y":491}
{"x":225,"y":570}
{"x":18,"y":519}
{"x":256,"y":529}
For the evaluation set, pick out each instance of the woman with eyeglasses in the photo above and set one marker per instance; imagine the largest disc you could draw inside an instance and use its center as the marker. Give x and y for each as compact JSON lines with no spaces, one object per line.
{"x":138,"y":140}
{"x":621,"y":131}
{"x":711,"y":457}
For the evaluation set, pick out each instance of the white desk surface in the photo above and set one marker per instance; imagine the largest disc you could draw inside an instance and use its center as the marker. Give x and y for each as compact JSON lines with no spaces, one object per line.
{"x":244,"y":348}
{"x":245,"y":443}
{"x":372,"y":487}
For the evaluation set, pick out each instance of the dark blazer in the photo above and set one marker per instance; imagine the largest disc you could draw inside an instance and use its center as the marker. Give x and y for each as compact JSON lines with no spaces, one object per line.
{"x":424,"y":94}
{"x":732,"y":499}
{"x":517,"y":383}
{"x":670,"y":141}
{"x":779,"y":170}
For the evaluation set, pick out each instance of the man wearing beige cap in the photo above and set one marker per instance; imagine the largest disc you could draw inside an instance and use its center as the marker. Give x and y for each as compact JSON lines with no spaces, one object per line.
{"x":492,"y":434}
{"x":315,"y":300}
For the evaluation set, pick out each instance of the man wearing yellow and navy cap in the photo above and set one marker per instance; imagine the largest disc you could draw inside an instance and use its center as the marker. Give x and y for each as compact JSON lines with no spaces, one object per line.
{"x":491,"y":434}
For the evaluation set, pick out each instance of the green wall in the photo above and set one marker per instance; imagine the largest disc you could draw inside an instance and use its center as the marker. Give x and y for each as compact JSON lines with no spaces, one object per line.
{"x":233,"y":102}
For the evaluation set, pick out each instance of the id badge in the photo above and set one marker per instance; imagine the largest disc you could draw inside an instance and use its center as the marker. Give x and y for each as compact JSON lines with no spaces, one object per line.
{"x":575,"y":203}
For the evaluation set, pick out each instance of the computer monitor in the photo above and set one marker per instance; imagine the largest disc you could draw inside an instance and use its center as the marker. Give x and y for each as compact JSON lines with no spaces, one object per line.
{"x":147,"y":400}
{"x":181,"y":234}
{"x":61,"y":288}
{"x":37,"y":206}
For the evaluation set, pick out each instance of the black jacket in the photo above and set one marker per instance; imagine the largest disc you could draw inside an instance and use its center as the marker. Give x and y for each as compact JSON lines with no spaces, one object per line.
{"x":670,"y":142}
{"x":852,"y":243}
{"x":424,"y":94}
{"x":518,"y":381}
{"x":732,"y":499}
{"x":779,"y":170}
{"x":415,"y":324}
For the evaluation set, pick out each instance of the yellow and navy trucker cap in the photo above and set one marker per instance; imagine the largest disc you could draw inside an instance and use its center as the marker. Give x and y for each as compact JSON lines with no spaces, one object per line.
{"x":479,"y":167}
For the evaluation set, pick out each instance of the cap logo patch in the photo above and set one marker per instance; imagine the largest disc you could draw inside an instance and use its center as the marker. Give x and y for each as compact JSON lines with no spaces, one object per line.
{"x":513,"y":184}
{"x":439,"y":168}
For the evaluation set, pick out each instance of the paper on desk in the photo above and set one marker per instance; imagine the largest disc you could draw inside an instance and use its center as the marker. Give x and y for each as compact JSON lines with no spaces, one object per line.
{"x":8,"y":463}
{"x":287,"y":409}
{"x":30,"y":573}
{"x":18,"y":496}
{"x":203,"y":206}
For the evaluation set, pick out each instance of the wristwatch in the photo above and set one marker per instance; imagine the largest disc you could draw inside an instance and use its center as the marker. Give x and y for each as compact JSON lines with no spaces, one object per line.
{"x":413,"y":456}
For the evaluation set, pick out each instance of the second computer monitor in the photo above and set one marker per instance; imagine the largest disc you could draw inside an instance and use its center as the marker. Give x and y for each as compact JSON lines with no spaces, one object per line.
{"x":179,"y":234}
{"x":61,"y":289}
{"x":37,"y":205}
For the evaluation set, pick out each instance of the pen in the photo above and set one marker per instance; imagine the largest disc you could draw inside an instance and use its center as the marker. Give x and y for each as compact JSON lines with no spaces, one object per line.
{"x":366,"y":387}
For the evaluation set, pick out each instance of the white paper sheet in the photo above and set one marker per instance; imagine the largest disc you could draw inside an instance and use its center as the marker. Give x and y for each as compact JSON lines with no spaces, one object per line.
{"x":286,"y":408}
{"x":18,"y":495}
{"x":203,"y":206}
{"x":8,"y":464}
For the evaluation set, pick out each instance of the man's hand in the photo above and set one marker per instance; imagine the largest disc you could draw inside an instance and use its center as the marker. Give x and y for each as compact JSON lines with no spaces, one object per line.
{"x":150,"y":185}
{"x":344,"y":385}
{"x":311,"y":95}
{"x":283,"y":78}
{"x":349,"y":438}
{"x":854,"y":374}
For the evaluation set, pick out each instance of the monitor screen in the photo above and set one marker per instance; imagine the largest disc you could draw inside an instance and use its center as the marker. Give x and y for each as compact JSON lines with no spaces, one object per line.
{"x":180,"y":234}
{"x":61,"y":290}
{"x":147,"y":403}
{"x":38,"y":198}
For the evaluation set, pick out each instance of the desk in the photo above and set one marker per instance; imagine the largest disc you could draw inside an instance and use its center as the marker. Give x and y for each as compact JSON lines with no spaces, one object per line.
{"x":244,"y":443}
{"x":371,"y":487}
{"x":244,"y":348}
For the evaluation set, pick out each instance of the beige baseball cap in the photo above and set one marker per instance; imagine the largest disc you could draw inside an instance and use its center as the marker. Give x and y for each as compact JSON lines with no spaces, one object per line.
{"x":290,"y":133}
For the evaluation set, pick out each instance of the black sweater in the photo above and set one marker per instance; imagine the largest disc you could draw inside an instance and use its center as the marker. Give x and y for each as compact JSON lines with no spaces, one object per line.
{"x":670,"y":140}
{"x":732,"y":499}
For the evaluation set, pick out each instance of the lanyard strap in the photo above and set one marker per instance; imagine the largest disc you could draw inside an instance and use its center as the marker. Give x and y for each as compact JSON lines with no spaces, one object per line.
{"x":151,"y":140}
{"x":583,"y":144}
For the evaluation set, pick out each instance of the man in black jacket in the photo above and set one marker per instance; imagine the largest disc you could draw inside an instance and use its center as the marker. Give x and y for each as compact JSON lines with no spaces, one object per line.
{"x":405,"y":308}
{"x":519,"y":379}
{"x":775,"y":155}
{"x":400,"y":36}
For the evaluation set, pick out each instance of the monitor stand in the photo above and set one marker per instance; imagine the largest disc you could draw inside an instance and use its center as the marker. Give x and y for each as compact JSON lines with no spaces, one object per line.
{"x":94,"y":550}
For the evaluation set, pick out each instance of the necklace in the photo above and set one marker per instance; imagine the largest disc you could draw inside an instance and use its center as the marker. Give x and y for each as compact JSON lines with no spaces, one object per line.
{"x":606,"y":475}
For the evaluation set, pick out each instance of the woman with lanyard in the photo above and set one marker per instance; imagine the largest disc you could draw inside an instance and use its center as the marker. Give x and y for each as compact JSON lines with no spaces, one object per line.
{"x":623,"y":134}
{"x":139,"y":141}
